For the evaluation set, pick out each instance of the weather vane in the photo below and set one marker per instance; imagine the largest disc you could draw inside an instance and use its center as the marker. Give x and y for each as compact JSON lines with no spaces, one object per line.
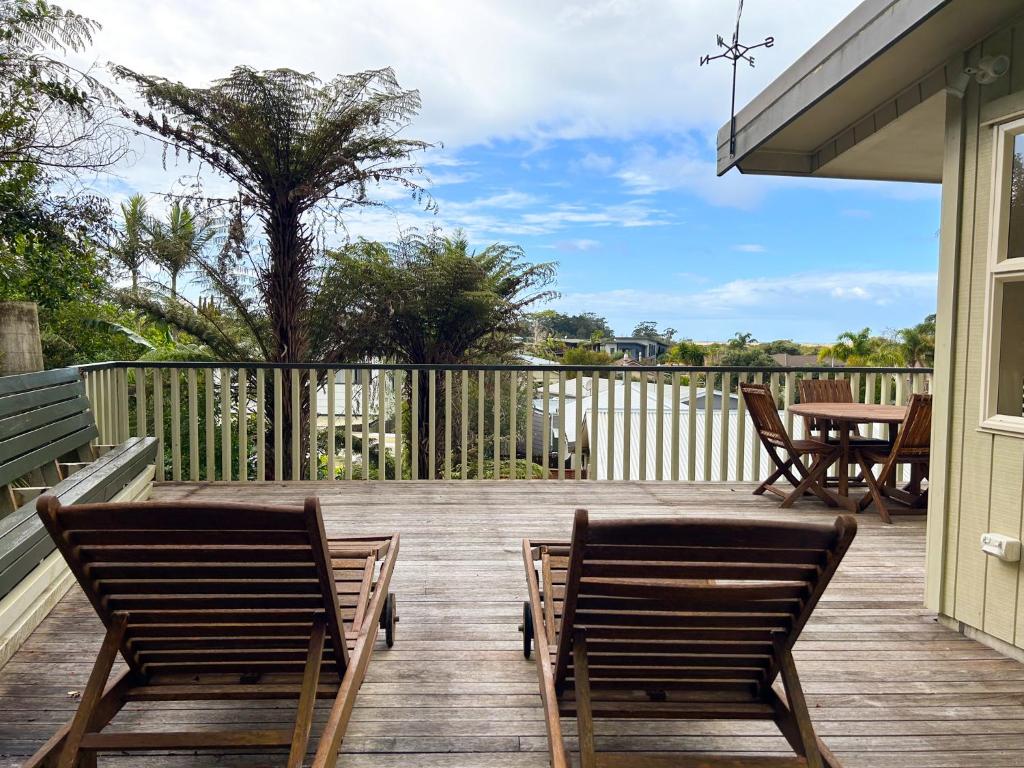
{"x":734,"y":53}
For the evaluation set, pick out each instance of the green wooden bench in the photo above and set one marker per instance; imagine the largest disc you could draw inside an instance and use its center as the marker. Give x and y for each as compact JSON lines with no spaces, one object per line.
{"x":46,"y":433}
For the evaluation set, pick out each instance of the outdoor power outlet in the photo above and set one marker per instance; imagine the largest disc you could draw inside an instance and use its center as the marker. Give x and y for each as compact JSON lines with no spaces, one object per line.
{"x":1003,"y":547}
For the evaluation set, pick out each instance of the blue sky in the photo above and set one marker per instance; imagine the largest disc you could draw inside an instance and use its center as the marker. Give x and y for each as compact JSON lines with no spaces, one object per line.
{"x":584,"y":132}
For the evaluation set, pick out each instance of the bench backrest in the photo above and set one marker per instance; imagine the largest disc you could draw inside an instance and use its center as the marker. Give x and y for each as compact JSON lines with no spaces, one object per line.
{"x":43,"y":417}
{"x":693,"y":604}
{"x":205,"y":588}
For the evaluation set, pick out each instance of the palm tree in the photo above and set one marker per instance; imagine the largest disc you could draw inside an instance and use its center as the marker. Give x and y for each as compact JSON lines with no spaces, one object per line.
{"x":131,"y":246}
{"x":179,"y":241}
{"x":852,"y":347}
{"x":742,"y":340}
{"x":918,"y":343}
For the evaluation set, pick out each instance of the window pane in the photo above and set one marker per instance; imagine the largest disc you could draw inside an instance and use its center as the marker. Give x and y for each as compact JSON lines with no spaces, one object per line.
{"x":1015,"y":239}
{"x":1010,"y":400}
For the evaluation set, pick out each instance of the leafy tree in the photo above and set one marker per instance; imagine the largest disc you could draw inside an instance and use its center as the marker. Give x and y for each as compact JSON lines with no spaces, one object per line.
{"x":741,"y":341}
{"x":646,"y":330}
{"x":918,"y":343}
{"x":51,"y":114}
{"x":299,"y":151}
{"x":852,"y":347}
{"x":582,"y":326}
{"x":686,"y":352}
{"x":746,"y":357}
{"x":131,"y":244}
{"x":584,"y":356}
{"x":781,"y":347}
{"x":178,"y":242}
{"x":426,"y":300}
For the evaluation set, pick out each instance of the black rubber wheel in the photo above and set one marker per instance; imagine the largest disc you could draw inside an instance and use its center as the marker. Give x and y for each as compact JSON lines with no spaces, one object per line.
{"x":527,"y":630}
{"x":389,"y":619}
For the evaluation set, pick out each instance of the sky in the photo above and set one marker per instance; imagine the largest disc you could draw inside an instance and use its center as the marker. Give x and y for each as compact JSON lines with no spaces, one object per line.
{"x":583,"y":132}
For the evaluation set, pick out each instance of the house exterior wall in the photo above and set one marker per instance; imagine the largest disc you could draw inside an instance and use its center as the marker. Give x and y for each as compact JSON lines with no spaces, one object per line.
{"x":982,"y":484}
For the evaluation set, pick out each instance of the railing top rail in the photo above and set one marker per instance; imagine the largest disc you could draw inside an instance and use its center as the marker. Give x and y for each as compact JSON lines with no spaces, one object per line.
{"x":554,"y":368}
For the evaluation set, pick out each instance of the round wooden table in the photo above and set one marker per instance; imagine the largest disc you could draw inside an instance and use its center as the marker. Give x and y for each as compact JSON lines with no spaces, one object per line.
{"x":846,"y":416}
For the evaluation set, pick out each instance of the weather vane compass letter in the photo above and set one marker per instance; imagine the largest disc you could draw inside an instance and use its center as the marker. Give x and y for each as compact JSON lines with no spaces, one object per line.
{"x":734,"y":53}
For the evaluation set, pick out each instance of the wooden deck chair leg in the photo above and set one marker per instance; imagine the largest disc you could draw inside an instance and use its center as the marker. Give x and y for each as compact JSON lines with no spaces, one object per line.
{"x":584,"y":714}
{"x":812,"y":481}
{"x":874,"y":494}
{"x":796,"y":725}
{"x":93,"y":693}
{"x":307,"y":697}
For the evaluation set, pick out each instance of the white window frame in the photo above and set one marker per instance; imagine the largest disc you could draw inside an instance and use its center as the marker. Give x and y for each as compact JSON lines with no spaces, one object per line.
{"x":999,"y":272}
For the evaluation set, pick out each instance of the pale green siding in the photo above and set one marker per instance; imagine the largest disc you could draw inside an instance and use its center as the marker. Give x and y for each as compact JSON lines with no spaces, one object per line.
{"x":985,"y":485}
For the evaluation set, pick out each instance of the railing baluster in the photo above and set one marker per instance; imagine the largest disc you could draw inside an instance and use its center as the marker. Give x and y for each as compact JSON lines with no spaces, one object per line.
{"x":691,"y":428}
{"x":481,"y":404}
{"x":364,"y":398}
{"x":627,"y":423}
{"x":497,"y":424}
{"x":332,"y":425}
{"x":158,"y":422}
{"x":594,"y":437}
{"x":349,"y":376}
{"x":725,"y":413}
{"x":513,"y":435}
{"x":675,"y":426}
{"x":140,"y":402}
{"x":464,"y":436}
{"x":261,"y":425}
{"x":243,"y":425}
{"x":528,"y":426}
{"x":578,"y":443}
{"x":642,"y":458}
{"x":123,"y":401}
{"x":741,"y":429}
{"x":756,"y":444}
{"x":709,"y":424}
{"x":313,"y":414}
{"x":432,"y":424}
{"x":226,"y":452}
{"x":175,"y":381}
{"x":193,"y":426}
{"x":448,"y":424}
{"x":382,"y":423}
{"x":790,"y":399}
{"x":545,"y":385}
{"x":659,"y":427}
{"x":610,"y":433}
{"x":561,"y":427}
{"x":399,"y":390}
{"x":210,"y":426}
{"x":278,"y":428}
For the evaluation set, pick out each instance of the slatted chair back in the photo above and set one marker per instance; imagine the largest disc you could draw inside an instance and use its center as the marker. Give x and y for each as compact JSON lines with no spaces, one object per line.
{"x":823,"y":391}
{"x":761,"y":406}
{"x":913,"y":443}
{"x":205,"y":589}
{"x":692,"y":608}
{"x":44,"y":418}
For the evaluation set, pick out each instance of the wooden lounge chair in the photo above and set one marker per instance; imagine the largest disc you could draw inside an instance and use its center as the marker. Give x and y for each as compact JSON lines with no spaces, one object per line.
{"x":220,"y":602}
{"x":913,"y":447}
{"x":772,"y":432}
{"x":682,"y":619}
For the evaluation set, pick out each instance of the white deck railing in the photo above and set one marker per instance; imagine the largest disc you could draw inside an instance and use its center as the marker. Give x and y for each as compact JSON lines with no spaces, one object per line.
{"x":451,"y":422}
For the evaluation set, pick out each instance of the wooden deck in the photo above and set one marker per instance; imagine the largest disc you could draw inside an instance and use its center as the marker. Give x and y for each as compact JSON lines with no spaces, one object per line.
{"x":887,"y":685}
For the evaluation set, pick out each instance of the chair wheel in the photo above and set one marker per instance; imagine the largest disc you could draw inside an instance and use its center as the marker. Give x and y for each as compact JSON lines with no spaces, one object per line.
{"x":527,"y":629}
{"x":389,"y":619}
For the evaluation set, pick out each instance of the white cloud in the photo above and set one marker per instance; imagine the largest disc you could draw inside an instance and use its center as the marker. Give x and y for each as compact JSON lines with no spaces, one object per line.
{"x":878,"y":287}
{"x":580,"y":244}
{"x":749,"y":248}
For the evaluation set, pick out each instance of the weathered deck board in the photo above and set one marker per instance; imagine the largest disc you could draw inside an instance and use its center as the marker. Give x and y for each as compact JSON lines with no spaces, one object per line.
{"x":887,"y":685}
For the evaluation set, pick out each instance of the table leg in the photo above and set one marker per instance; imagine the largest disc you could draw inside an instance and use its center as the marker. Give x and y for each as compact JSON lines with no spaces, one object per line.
{"x":844,"y":460}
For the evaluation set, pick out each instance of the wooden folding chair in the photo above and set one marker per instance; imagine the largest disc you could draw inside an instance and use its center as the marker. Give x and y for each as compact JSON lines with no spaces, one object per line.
{"x":805,"y":479}
{"x":220,"y":602}
{"x":913,"y":447}
{"x":690,"y":619}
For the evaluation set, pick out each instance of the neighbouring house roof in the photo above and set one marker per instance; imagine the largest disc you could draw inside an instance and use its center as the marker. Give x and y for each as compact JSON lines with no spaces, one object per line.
{"x":868,"y":99}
